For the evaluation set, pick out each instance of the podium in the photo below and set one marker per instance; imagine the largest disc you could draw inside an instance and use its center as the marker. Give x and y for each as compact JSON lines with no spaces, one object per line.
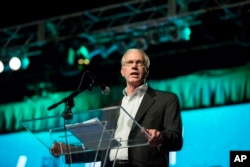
{"x":88,"y":134}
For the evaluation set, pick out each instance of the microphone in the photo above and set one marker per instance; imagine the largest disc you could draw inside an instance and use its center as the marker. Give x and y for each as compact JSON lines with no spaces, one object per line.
{"x":104,"y":89}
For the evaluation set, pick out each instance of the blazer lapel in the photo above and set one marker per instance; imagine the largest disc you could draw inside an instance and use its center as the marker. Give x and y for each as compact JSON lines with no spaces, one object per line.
{"x":147,"y":101}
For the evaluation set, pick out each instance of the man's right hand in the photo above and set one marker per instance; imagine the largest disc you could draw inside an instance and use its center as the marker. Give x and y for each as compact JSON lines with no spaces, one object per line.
{"x":59,"y":148}
{"x":56,"y":149}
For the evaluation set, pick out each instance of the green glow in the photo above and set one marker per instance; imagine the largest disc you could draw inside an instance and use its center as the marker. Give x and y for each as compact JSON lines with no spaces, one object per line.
{"x":71,"y":56}
{"x":185,"y":34}
{"x":206,"y":89}
{"x":84,"y":52}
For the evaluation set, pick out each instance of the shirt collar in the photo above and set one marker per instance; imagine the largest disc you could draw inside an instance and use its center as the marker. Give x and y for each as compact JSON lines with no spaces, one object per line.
{"x":139,"y":90}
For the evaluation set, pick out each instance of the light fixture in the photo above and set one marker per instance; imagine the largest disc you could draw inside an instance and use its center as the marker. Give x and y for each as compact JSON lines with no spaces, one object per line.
{"x":179,"y":30}
{"x":78,"y":54}
{"x":82,"y":54}
{"x":1,"y":66}
{"x":14,"y":60}
{"x":77,"y":58}
{"x":15,"y":63}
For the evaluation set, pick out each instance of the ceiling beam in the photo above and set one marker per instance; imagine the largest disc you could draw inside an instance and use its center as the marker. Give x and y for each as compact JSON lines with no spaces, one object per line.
{"x":108,"y":22}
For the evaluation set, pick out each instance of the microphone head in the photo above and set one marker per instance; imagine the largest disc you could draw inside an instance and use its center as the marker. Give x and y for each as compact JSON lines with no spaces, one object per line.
{"x":106,"y":91}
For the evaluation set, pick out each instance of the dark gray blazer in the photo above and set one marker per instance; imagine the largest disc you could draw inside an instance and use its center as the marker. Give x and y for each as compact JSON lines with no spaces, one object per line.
{"x":158,"y":110}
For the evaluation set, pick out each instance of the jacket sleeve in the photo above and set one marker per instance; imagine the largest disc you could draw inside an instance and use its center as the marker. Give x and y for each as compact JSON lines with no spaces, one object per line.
{"x":172,"y":133}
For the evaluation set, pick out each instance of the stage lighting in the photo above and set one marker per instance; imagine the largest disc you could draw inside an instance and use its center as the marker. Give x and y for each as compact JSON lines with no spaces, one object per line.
{"x":15,"y":63}
{"x":79,"y":55}
{"x":180,"y":30}
{"x":1,"y":66}
{"x":185,"y":33}
{"x":82,"y":55}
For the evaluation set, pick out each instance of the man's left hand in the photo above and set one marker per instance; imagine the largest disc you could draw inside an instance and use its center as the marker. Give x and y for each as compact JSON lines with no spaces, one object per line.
{"x":155,"y":138}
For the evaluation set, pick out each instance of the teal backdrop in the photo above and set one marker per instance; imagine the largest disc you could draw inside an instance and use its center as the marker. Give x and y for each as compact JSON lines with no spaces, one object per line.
{"x":209,"y":135}
{"x":215,"y":111}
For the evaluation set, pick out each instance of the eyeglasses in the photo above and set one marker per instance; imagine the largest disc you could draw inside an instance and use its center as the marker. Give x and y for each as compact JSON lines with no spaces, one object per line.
{"x":138,"y":63}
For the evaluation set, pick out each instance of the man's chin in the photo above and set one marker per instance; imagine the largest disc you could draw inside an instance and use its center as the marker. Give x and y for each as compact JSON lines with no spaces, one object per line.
{"x":135,"y":82}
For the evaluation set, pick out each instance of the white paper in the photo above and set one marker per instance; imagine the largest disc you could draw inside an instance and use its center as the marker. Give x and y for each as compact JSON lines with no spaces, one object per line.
{"x":93,"y":134}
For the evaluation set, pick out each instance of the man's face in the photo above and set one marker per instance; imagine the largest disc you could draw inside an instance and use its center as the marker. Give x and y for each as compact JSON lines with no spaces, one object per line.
{"x":133,"y":69}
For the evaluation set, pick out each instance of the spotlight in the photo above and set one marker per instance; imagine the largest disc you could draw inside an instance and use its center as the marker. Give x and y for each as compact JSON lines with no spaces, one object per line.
{"x":82,"y":54}
{"x":180,"y":30}
{"x":1,"y":66}
{"x":76,"y":59}
{"x":14,"y":60}
{"x":79,"y":56}
{"x":15,"y":63}
{"x":185,"y":33}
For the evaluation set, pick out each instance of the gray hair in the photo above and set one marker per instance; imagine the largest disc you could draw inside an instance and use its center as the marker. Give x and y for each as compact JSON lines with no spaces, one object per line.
{"x":145,"y":56}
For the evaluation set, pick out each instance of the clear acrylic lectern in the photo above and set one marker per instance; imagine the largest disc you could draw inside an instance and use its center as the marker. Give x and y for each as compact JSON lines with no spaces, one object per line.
{"x":88,"y":133}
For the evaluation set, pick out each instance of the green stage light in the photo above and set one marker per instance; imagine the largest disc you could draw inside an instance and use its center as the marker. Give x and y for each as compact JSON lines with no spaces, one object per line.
{"x":83,"y":51}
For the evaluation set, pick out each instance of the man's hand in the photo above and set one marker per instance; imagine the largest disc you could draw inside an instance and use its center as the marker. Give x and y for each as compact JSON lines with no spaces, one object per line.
{"x":155,"y":138}
{"x":56,"y":149}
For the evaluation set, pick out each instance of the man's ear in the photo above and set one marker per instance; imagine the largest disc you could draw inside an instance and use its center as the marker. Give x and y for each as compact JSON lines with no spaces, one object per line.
{"x":121,"y":71}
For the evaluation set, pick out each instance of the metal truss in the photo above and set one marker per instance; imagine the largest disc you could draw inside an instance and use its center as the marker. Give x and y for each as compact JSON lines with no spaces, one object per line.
{"x":117,"y":22}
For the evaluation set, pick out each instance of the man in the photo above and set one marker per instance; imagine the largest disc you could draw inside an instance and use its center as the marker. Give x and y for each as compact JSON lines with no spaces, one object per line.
{"x":157,"y":111}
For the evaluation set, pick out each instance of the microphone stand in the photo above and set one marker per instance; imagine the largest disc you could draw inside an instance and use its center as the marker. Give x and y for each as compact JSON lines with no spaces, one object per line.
{"x":67,"y":113}
{"x":69,"y":102}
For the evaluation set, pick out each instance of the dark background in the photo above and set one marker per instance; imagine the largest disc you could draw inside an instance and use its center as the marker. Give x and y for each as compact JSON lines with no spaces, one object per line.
{"x":215,"y":44}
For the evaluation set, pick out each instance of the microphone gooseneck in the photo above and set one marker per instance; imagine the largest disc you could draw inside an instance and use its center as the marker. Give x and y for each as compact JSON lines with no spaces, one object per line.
{"x":104,"y":89}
